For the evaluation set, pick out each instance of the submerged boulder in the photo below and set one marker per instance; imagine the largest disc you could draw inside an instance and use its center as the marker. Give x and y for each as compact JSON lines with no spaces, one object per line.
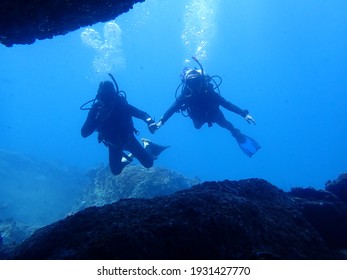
{"x":326,"y":210}
{"x":247,"y":219}
{"x":135,"y":181}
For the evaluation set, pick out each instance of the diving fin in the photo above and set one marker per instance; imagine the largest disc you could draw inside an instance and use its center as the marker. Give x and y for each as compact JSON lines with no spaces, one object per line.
{"x":153,"y":148}
{"x":247,"y":144}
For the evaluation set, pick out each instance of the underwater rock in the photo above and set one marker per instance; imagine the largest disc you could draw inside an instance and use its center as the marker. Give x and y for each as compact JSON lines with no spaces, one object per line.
{"x":246,"y":219}
{"x":326,"y":212}
{"x":23,"y":22}
{"x":12,"y":232}
{"x":134,"y":182}
{"x":338,"y":187}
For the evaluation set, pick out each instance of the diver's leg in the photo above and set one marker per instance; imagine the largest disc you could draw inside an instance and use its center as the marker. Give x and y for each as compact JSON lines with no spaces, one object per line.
{"x":115,"y":160}
{"x":223,"y":122}
{"x":248,"y":145}
{"x":139,"y":152}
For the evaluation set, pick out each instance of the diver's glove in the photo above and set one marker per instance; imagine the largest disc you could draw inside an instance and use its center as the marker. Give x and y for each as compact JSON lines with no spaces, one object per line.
{"x":159,"y":124}
{"x":152,"y":127}
{"x":249,"y":119}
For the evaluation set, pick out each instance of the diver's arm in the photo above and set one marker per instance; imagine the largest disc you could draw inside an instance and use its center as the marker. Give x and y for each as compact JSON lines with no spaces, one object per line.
{"x":137,"y":113}
{"x":90,"y":124}
{"x":169,"y":112}
{"x":142,"y":115}
{"x":233,"y":108}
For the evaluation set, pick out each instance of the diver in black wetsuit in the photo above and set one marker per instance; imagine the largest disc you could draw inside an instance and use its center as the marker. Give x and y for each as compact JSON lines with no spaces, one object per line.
{"x":111,"y":116}
{"x":201,"y":102}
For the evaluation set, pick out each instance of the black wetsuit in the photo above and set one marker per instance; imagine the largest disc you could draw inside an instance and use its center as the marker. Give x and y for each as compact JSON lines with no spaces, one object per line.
{"x":202,"y":106}
{"x":116,"y":130}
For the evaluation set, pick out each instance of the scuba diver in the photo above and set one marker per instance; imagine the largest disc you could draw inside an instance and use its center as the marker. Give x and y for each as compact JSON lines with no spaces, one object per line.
{"x":111,"y":116}
{"x":200,"y":101}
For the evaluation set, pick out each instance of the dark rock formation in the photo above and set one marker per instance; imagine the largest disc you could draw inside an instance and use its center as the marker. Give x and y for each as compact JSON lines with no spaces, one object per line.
{"x":24,"y":21}
{"x":247,"y":219}
{"x":338,"y":187}
{"x":326,"y":211}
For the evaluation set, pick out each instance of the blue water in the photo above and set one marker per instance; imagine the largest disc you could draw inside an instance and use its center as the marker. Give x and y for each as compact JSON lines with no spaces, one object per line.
{"x":284,"y":61}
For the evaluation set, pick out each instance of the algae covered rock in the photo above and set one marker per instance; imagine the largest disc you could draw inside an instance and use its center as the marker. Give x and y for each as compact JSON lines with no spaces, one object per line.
{"x":134,"y":182}
{"x":247,"y":219}
{"x":12,"y":232}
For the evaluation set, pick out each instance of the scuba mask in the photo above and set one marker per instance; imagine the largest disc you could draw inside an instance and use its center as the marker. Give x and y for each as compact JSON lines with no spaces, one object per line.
{"x":193,"y":79}
{"x":106,"y":93}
